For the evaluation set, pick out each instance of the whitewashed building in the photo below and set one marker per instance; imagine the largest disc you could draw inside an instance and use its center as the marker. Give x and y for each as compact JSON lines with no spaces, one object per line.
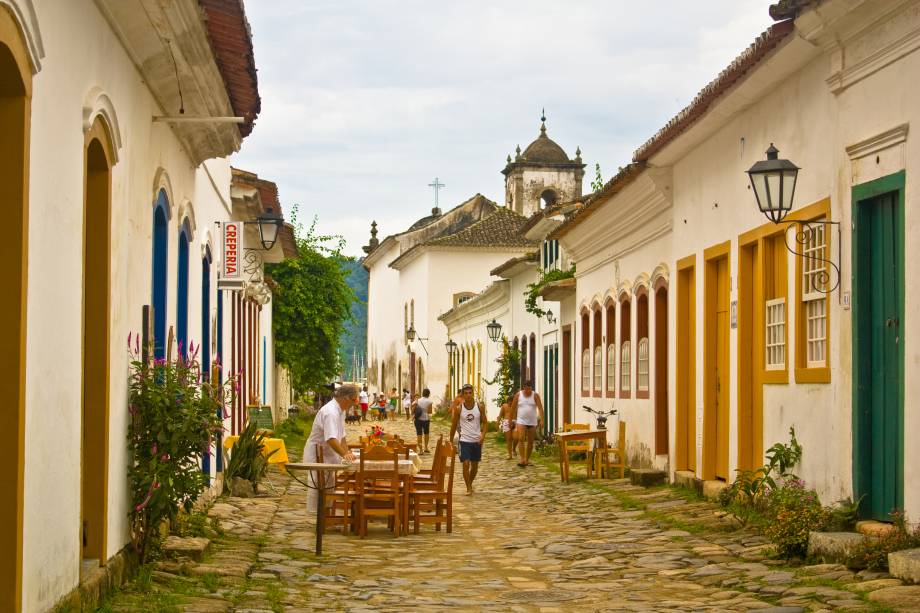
{"x":116,"y":128}
{"x":765,"y":333}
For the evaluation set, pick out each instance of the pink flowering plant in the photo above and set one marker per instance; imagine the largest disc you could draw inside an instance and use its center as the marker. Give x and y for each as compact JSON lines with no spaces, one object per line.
{"x":174,"y":413}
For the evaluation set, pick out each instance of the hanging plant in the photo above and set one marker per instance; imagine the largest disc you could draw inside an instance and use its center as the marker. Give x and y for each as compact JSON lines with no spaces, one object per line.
{"x":533,"y":290}
{"x":509,"y":370}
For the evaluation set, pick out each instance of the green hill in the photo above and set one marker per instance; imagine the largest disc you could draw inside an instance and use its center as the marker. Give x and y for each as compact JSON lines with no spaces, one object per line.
{"x":354,"y":337}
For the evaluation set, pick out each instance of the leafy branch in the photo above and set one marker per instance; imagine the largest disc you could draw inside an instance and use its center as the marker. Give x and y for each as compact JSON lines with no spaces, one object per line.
{"x":533,"y":290}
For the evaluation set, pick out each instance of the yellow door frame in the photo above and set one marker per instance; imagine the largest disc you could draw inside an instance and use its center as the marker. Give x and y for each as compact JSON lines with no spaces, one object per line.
{"x":15,"y":119}
{"x":97,"y":257}
{"x":685,"y":373}
{"x":712,"y":452}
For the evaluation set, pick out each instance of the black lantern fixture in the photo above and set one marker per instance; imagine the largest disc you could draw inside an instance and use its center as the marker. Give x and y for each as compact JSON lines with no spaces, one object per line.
{"x":451,"y":347}
{"x":269,"y":226}
{"x":773,"y":181}
{"x":495,"y":330}
{"x":410,"y":333}
{"x":550,"y":317}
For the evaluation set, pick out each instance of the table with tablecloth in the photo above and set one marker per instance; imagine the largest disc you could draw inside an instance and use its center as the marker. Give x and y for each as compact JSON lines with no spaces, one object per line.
{"x":268,"y":446}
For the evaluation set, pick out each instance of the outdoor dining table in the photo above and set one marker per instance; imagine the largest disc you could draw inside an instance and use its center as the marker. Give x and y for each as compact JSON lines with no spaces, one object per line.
{"x":312,"y":469}
{"x":407,"y":469}
{"x":269,"y":445}
{"x":598,"y":436}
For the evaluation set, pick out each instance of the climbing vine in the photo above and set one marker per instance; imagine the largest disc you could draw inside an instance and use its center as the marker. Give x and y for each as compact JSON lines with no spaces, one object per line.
{"x":533,"y":290}
{"x":509,"y":371}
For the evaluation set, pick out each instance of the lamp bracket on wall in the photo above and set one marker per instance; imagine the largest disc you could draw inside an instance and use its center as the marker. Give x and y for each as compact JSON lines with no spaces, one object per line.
{"x":825,"y":280}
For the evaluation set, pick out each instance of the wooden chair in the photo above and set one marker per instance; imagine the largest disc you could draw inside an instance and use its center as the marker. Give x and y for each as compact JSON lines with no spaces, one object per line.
{"x":341,"y":500}
{"x":425,"y":474}
{"x":580,"y":446}
{"x":612,"y":458}
{"x":432,"y":503}
{"x":378,"y":490}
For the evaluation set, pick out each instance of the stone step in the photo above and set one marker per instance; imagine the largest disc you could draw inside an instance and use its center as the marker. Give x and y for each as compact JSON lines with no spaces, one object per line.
{"x":831,"y":547}
{"x":905,"y":565}
{"x":647,"y":477}
{"x":193,"y":547}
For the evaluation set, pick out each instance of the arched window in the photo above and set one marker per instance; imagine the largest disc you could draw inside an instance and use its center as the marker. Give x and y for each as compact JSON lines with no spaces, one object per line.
{"x":598,"y":345}
{"x":524,"y":374}
{"x":625,"y":348}
{"x":611,"y":311}
{"x":182,"y":290}
{"x":160,"y":272}
{"x":206,"y":315}
{"x":548,"y":198}
{"x":412,"y":313}
{"x":532,"y":368}
{"x":585,"y":355}
{"x":642,"y":344}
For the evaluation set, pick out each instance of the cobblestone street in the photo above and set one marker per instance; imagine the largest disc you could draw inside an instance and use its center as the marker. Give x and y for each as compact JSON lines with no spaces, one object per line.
{"x":522,"y":542}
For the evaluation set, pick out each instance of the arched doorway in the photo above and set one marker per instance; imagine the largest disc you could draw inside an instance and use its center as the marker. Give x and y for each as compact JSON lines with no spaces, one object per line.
{"x":98,"y":162}
{"x":160,"y":272}
{"x":182,"y":289}
{"x":15,"y":109}
{"x":206,"y":336}
{"x":661,"y":369}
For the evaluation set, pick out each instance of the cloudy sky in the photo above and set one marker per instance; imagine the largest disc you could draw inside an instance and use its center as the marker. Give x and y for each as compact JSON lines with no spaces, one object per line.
{"x":365,"y":102}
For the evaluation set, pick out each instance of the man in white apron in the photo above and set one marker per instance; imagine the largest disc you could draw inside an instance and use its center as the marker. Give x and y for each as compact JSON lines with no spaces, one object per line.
{"x":329,"y":433}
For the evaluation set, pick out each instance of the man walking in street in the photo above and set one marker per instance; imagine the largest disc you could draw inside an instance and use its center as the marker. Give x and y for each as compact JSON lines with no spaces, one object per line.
{"x":362,"y":397}
{"x":422,"y":413}
{"x":527,"y":409}
{"x":472,"y":423}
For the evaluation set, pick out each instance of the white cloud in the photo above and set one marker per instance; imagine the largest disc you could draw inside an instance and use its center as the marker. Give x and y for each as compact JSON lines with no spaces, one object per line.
{"x":364,"y":102}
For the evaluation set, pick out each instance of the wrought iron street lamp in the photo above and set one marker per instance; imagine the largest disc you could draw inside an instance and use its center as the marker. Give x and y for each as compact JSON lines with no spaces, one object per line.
{"x":451,"y":347}
{"x":269,"y":226}
{"x":550,"y":317}
{"x":410,"y":333}
{"x":495,"y":330}
{"x":773,"y":181}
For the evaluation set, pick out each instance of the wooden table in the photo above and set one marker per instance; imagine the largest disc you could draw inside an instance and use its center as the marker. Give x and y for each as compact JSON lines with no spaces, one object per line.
{"x":268,"y":446}
{"x":312,"y":468}
{"x":598,"y":436}
{"x":407,"y":469}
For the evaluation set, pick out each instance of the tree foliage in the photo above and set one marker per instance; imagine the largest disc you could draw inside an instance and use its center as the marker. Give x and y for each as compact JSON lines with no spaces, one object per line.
{"x":598,"y":183}
{"x":311,"y":304}
{"x":508,"y":374}
{"x":533,"y":289}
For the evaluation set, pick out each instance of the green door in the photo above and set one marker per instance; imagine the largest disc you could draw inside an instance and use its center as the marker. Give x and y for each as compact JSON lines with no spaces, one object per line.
{"x":878,"y":322}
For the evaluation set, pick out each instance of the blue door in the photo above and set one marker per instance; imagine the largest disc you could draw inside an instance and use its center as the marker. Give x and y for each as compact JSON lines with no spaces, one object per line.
{"x":160,"y":271}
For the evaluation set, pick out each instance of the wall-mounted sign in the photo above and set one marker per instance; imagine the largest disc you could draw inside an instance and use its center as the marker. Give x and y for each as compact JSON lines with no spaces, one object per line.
{"x":232,"y":260}
{"x":734,"y":314}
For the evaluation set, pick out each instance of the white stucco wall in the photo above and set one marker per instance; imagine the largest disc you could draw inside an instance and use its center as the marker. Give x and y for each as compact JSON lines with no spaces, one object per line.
{"x":82,"y":53}
{"x":384,"y":320}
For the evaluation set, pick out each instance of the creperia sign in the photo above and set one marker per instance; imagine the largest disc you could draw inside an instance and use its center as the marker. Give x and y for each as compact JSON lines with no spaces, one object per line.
{"x":233,"y":251}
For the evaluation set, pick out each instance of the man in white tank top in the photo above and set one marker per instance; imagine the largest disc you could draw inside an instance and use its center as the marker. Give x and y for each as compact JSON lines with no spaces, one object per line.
{"x":527,"y":409}
{"x":471,"y":419}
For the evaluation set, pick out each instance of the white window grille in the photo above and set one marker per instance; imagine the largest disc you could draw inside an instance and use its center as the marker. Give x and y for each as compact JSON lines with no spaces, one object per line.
{"x":611,"y":368}
{"x":586,"y":370}
{"x":775,"y":334}
{"x":642,"y":365}
{"x":624,"y":367}
{"x":814,"y":277}
{"x":598,"y":367}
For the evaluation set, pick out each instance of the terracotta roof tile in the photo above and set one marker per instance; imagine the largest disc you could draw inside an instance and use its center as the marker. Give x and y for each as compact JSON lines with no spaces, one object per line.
{"x":500,"y":229}
{"x":231,"y":43}
{"x":619,"y":181}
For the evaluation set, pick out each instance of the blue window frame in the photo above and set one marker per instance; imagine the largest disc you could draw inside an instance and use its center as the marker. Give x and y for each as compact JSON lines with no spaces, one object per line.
{"x":160,"y":272}
{"x":206,"y":336}
{"x":182,"y":291}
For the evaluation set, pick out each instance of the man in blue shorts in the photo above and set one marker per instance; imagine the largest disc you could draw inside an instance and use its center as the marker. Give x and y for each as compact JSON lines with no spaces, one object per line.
{"x":471,"y":420}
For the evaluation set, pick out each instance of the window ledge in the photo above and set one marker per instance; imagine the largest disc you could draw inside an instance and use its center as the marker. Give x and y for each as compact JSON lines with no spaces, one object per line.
{"x":775,"y":376}
{"x":813,"y":375}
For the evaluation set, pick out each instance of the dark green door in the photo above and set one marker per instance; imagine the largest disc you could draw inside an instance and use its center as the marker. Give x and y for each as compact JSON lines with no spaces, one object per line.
{"x":878,"y":353}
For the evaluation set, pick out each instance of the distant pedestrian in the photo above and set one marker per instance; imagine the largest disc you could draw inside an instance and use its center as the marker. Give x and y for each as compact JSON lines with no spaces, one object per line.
{"x":471,"y":421}
{"x":362,"y":398}
{"x":393,"y":402}
{"x":527,"y":409}
{"x":422,"y":414}
{"x":381,"y":408}
{"x":507,"y":427}
{"x":407,"y":403}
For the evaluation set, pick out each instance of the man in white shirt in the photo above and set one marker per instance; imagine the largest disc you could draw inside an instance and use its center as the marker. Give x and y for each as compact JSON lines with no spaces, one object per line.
{"x":362,"y":398}
{"x":471,"y":422}
{"x":407,"y":403}
{"x":328,"y":434}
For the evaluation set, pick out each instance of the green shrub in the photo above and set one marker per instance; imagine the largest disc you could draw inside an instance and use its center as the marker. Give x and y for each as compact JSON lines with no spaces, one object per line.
{"x":793,"y":512}
{"x":873,"y":553}
{"x":842,"y":516}
{"x":173,"y":417}
{"x":246,"y":459}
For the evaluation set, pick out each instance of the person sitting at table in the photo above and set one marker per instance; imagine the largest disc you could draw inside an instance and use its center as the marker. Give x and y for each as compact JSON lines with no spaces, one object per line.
{"x":328,"y":432}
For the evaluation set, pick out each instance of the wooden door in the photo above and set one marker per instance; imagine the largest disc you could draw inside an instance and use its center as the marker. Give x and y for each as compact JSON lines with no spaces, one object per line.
{"x":878,"y":355}
{"x":661,"y":371}
{"x":716,"y":373}
{"x":567,"y":375}
{"x":685,"y":371}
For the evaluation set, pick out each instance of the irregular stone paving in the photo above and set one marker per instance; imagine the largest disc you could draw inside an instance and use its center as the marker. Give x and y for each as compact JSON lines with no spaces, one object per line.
{"x":523,"y":542}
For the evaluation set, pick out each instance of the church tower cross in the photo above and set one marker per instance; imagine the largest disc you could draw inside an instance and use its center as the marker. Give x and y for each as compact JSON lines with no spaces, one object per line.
{"x":437,"y":185}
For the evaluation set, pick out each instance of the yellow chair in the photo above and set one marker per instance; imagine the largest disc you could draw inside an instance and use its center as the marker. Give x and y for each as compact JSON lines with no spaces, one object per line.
{"x":612,"y":458}
{"x":580,"y":446}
